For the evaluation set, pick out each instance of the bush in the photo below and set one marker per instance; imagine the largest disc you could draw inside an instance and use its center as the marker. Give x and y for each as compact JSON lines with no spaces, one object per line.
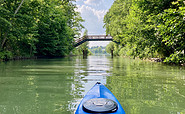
{"x":176,"y":58}
{"x":6,"y":55}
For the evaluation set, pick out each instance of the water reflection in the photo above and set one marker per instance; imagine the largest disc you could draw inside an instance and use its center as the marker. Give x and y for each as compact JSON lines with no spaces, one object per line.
{"x":95,"y":70}
{"x":53,"y":86}
{"x":145,"y":87}
{"x":36,"y":86}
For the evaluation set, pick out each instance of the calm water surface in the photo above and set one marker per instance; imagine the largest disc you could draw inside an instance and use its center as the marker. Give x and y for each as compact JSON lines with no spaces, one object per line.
{"x":56,"y":86}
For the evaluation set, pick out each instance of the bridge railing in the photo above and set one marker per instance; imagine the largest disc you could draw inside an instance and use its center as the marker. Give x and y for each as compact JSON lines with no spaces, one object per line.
{"x":81,"y":39}
{"x":99,"y":37}
{"x":93,"y":37}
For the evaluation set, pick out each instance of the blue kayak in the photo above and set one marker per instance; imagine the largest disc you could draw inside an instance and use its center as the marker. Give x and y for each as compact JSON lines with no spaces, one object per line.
{"x":99,"y":100}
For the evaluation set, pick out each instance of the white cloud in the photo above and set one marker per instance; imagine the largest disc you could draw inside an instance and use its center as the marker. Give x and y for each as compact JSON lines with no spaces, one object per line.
{"x":86,"y":10}
{"x":100,"y":14}
{"x":93,"y":19}
{"x":93,"y":2}
{"x":93,"y":11}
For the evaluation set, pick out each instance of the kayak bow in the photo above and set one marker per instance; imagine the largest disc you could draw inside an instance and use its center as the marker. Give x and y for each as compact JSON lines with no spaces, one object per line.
{"x":99,"y":100}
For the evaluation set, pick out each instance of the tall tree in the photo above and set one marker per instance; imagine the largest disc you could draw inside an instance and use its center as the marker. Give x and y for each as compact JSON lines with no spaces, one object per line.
{"x":148,"y":28}
{"x":38,"y":27}
{"x":84,"y":47}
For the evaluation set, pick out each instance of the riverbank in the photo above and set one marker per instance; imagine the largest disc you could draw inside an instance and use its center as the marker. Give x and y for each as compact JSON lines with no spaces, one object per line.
{"x":18,"y":58}
{"x":156,"y":59}
{"x":159,"y":60}
{"x":34,"y":57}
{"x":53,"y":82}
{"x":162,"y":61}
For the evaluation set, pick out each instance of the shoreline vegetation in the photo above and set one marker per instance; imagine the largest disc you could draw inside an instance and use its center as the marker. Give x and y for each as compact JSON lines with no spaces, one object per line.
{"x":148,"y":29}
{"x":161,"y":60}
{"x":38,"y":28}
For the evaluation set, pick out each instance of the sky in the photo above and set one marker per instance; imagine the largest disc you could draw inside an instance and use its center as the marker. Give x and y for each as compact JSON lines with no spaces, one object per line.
{"x":93,"y":11}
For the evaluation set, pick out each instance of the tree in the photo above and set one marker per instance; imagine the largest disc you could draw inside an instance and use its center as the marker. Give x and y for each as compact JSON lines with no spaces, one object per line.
{"x":171,"y":29}
{"x":148,"y":28}
{"x":38,"y":27}
{"x":17,"y":38}
{"x":84,"y":47}
{"x":110,"y":48}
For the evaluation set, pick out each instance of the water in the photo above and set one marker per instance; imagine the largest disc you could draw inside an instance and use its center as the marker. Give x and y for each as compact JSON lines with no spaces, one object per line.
{"x":56,"y":86}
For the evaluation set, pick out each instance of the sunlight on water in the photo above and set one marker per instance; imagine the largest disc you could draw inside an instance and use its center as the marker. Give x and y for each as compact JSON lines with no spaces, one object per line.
{"x":56,"y":86}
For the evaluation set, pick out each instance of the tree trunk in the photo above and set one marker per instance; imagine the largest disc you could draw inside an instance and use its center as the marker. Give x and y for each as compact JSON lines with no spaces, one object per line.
{"x":5,"y":35}
{"x":112,"y":53}
{"x":84,"y":53}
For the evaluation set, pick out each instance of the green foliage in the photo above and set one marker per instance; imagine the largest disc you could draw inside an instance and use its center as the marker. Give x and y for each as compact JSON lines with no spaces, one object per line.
{"x":38,"y":27}
{"x":84,"y":47}
{"x":171,"y":29}
{"x":56,"y":29}
{"x":98,"y":50}
{"x":112,"y":48}
{"x":147,"y":28}
{"x":177,"y":58}
{"x":6,"y":55}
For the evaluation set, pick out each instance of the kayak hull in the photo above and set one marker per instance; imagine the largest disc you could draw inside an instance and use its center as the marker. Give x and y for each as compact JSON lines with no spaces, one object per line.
{"x":99,"y":91}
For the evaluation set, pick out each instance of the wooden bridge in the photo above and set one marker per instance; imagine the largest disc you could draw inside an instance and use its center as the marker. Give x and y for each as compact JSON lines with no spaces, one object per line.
{"x":93,"y":38}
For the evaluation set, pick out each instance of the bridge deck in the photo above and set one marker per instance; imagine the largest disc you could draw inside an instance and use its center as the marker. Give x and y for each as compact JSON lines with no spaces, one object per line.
{"x":93,"y":38}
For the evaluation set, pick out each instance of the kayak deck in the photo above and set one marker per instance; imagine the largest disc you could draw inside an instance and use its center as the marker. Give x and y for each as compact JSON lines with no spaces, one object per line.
{"x":99,"y":91}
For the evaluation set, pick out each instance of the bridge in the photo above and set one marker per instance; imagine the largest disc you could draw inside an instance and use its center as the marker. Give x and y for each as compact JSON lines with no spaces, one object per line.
{"x":93,"y":38}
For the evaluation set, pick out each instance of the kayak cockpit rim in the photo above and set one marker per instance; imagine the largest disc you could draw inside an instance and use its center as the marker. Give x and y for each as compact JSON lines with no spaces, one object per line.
{"x":95,"y":96}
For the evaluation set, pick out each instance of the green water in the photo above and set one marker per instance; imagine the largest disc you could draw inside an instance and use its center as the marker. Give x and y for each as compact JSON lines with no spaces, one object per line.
{"x":56,"y":86}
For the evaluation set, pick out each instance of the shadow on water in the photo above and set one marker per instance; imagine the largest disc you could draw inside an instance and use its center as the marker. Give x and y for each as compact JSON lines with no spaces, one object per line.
{"x":144,"y":87}
{"x":55,"y":86}
{"x":43,"y":86}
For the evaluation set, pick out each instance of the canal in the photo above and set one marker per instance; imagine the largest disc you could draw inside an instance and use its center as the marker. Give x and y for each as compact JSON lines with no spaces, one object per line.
{"x":56,"y":86}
